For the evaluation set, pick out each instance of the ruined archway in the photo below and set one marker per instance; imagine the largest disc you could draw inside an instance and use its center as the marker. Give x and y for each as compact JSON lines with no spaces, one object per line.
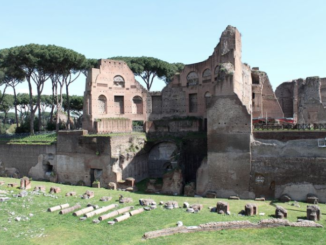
{"x":159,"y":159}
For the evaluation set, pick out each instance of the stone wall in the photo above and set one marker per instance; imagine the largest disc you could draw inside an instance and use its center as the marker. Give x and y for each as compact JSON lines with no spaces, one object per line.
{"x":295,"y":167}
{"x":264,"y":100}
{"x":174,"y":125}
{"x":22,"y":157}
{"x":289,"y":135}
{"x":113,"y":158}
{"x":113,"y":92}
{"x":227,"y":168}
{"x":285,"y":96}
{"x":310,"y":107}
{"x":304,"y":100}
{"x":113,"y":125}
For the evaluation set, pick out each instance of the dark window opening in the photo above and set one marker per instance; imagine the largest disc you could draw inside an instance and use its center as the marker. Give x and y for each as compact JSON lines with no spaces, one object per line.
{"x":119,"y":104}
{"x":255,"y":79}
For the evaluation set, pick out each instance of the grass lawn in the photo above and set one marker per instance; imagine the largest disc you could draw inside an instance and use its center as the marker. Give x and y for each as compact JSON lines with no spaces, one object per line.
{"x":51,"y":228}
{"x":41,"y":139}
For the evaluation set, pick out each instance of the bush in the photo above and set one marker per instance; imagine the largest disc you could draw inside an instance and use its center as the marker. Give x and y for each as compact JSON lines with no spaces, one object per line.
{"x":24,"y":127}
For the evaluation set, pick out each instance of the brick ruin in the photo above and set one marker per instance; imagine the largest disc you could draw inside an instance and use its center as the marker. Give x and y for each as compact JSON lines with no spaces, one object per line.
{"x":215,"y":100}
{"x":304,"y":100}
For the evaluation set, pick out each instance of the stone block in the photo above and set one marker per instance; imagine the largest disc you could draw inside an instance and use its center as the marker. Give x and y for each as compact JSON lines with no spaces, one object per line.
{"x":146,"y":202}
{"x":123,"y":199}
{"x":251,"y":209}
{"x":312,"y":198}
{"x":197,"y":207}
{"x":112,"y":186}
{"x":313,"y":212}
{"x":285,"y":198}
{"x":39,"y":188}
{"x":171,"y":205}
{"x":222,"y":207}
{"x":55,"y":190}
{"x":71,"y":194}
{"x":281,"y":212}
{"x":25,"y":183}
{"x":88,"y":195}
{"x":12,"y":185}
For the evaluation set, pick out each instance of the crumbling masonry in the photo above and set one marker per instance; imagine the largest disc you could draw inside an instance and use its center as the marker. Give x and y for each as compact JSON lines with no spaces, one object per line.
{"x":197,"y":129}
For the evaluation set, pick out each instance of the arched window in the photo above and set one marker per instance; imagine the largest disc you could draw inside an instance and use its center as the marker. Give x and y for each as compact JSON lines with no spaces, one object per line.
{"x":137,"y":105}
{"x":118,"y":81}
{"x":101,"y":103}
{"x":207,"y":74}
{"x":207,"y":98}
{"x":192,"y":79}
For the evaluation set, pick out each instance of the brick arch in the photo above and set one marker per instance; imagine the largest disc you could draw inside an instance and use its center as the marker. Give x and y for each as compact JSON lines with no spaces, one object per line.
{"x":102,"y":104}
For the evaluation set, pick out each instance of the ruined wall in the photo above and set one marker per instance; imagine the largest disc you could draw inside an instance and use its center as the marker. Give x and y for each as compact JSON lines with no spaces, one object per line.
{"x":285,"y":95}
{"x":174,"y":125}
{"x":112,"y":158}
{"x":113,"y":92}
{"x":295,"y":167}
{"x":228,"y":159}
{"x":310,"y":106}
{"x":22,"y":157}
{"x":303,"y":100}
{"x":264,"y":100}
{"x":112,"y":125}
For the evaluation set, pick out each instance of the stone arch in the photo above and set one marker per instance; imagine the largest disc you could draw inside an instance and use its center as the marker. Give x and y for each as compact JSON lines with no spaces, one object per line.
{"x":101,"y":104}
{"x":192,"y":78}
{"x":159,"y":159}
{"x":118,"y":81}
{"x":207,"y":73}
{"x":137,"y":105}
{"x":208,"y":97}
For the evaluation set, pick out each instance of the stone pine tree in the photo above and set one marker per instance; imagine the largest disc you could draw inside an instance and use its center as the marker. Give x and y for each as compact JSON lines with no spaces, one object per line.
{"x":6,"y":104}
{"x":89,"y":63}
{"x":10,"y":76}
{"x":65,"y":68}
{"x":149,"y":68}
{"x":76,"y":65}
{"x":33,"y":60}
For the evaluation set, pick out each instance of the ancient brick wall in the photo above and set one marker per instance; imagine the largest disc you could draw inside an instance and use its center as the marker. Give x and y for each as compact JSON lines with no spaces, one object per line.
{"x":228,"y":156}
{"x":115,"y":157}
{"x":285,"y":96}
{"x":264,"y":100}
{"x":113,"y":125}
{"x":22,"y":157}
{"x":295,"y":167}
{"x":310,"y":107}
{"x":113,"y":92}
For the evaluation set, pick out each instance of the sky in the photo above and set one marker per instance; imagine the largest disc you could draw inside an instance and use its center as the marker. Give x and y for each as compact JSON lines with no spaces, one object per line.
{"x":285,"y":38}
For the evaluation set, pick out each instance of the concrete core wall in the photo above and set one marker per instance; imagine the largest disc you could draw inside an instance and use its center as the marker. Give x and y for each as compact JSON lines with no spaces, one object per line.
{"x":295,"y":167}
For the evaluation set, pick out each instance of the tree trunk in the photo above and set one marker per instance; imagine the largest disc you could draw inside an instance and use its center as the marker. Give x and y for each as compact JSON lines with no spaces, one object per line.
{"x":16,"y":113}
{"x":54,"y":89}
{"x":39,"y":118}
{"x":5,"y":119}
{"x":68,"y":108}
{"x":59,"y":106}
{"x":31,"y":123}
